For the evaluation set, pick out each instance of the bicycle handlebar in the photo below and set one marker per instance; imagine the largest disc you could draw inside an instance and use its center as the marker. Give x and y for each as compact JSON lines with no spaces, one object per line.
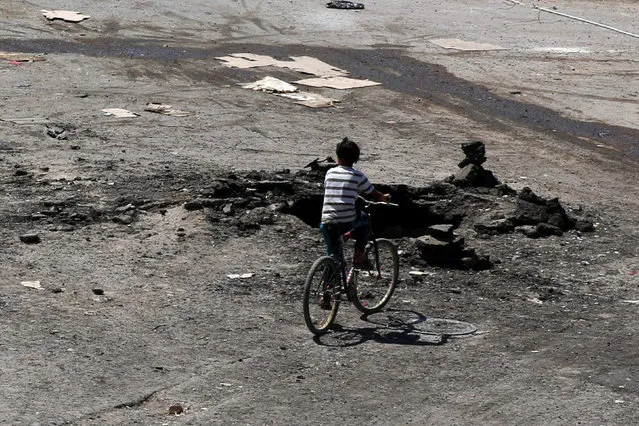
{"x":377,"y":203}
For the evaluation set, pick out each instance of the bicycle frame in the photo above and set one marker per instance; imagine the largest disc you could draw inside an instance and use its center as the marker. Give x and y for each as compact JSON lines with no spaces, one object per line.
{"x":371,"y":239}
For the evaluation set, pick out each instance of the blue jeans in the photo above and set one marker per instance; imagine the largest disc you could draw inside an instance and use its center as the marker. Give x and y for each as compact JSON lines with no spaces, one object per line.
{"x":331,"y":232}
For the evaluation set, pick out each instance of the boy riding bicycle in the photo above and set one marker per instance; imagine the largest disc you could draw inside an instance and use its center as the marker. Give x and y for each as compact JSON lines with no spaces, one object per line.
{"x":342,"y":185}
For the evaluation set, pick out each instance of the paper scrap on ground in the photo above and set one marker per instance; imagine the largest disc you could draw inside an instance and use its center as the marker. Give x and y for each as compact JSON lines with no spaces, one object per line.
{"x":165,"y":110}
{"x":312,"y":100}
{"x":337,"y":82}
{"x":271,"y":85}
{"x":241,"y":276}
{"x":119,"y":112}
{"x":561,"y":49}
{"x":32,"y":284}
{"x":455,"y":43}
{"x":20,"y":57}
{"x":303,"y":64}
{"x":26,"y":120}
{"x":65,"y":15}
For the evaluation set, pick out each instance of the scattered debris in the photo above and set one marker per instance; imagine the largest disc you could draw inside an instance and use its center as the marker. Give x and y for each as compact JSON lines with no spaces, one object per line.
{"x":543,"y":9}
{"x":32,"y":284}
{"x":270,"y":85}
{"x":21,"y":57}
{"x":311,"y":100}
{"x":165,"y":110}
{"x":241,"y":276}
{"x":303,"y":64}
{"x":343,"y":4}
{"x":337,"y":82}
{"x":119,"y":113}
{"x":65,"y":15}
{"x":26,"y":120}
{"x":455,"y":43}
{"x":316,"y":165}
{"x":634,"y":302}
{"x":58,"y":133}
{"x":30,"y":238}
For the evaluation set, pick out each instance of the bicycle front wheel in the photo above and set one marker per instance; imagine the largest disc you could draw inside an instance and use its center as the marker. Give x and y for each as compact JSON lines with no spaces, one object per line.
{"x":375,"y":286}
{"x":321,"y":295}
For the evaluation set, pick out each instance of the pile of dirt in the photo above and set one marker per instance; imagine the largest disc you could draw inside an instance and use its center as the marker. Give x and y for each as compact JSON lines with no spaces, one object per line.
{"x":429,"y":218}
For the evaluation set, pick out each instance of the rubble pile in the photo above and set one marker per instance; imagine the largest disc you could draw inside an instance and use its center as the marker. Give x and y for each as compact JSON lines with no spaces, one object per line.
{"x":434,"y":221}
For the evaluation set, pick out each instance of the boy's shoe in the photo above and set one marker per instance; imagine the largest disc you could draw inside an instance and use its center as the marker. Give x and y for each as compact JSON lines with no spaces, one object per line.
{"x":324,"y":301}
{"x":365,"y":265}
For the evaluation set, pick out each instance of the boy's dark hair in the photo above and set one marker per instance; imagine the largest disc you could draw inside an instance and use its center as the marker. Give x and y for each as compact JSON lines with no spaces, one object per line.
{"x":347,"y":151}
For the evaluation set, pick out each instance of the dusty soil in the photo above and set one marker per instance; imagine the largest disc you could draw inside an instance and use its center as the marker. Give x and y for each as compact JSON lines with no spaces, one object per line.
{"x":140,"y":221}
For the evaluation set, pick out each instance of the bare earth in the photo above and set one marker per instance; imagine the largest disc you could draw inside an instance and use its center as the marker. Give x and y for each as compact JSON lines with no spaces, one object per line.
{"x":137,"y":312}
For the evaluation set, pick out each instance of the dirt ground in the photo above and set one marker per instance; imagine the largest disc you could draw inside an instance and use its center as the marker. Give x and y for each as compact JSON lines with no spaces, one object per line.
{"x":137,"y":223}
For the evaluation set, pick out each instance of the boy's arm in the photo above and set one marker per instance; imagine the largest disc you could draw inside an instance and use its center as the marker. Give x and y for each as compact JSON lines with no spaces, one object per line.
{"x":379,"y":197}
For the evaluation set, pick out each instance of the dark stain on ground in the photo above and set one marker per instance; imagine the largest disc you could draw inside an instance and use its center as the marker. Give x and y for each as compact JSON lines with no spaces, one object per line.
{"x":429,"y":82}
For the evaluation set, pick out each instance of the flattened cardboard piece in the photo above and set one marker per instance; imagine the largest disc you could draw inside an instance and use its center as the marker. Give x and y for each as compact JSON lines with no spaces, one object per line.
{"x":303,"y":64}
{"x":165,"y":109}
{"x":119,"y":113}
{"x":65,"y":15}
{"x":455,"y":43}
{"x":32,"y":284}
{"x":337,"y":82}
{"x":313,"y":66}
{"x":21,"y":57}
{"x":246,"y":60}
{"x":26,"y":120}
{"x":311,"y":100}
{"x":270,"y":85}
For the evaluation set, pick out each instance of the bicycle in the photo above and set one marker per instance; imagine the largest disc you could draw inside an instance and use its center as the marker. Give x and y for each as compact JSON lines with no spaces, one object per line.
{"x":329,"y":282}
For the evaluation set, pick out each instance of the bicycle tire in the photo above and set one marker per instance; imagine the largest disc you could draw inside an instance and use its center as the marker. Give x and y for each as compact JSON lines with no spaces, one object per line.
{"x":322,"y":285}
{"x":374,"y":287}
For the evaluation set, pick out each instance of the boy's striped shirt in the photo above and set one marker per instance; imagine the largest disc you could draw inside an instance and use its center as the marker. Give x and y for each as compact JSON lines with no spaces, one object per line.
{"x":342,"y":185}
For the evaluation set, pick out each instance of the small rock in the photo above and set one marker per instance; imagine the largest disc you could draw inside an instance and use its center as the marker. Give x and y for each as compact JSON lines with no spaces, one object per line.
{"x":176,"y":409}
{"x":193,"y":205}
{"x":123,"y":209}
{"x":443,"y":231}
{"x":57,"y":133}
{"x":30,"y":238}
{"x":123,"y":219}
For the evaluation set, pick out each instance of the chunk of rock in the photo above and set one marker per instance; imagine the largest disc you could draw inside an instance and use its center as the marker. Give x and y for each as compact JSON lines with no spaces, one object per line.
{"x":473,"y":175}
{"x":123,"y":219}
{"x":433,"y":249}
{"x":532,"y":210}
{"x":30,"y":238}
{"x":475,"y":154}
{"x":495,"y":227}
{"x":442,"y":232}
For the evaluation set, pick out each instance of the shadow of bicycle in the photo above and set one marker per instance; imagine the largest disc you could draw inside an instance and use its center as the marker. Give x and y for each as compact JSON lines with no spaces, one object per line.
{"x":398,"y":327}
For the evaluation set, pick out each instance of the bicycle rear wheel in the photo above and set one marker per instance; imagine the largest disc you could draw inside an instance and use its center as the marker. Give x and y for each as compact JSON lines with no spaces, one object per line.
{"x":321,"y":295}
{"x":375,"y":286}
